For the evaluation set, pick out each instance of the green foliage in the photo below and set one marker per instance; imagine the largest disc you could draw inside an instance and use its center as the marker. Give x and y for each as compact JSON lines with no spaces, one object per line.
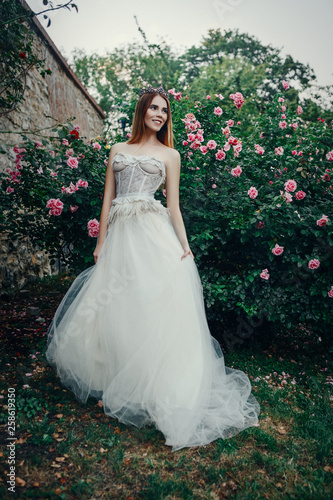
{"x":18,"y":55}
{"x":232,"y":235}
{"x":44,"y":176}
{"x":222,"y":63}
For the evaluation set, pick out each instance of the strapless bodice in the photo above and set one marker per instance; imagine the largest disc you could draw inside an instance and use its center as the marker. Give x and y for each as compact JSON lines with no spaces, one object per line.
{"x":137,"y":179}
{"x":140,"y":175}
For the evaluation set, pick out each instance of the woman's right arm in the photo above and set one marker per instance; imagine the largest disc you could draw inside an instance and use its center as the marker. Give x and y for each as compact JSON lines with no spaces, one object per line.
{"x":109,"y":195}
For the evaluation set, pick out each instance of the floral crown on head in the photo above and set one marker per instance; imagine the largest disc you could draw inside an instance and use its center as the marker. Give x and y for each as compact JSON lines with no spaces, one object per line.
{"x":150,"y":89}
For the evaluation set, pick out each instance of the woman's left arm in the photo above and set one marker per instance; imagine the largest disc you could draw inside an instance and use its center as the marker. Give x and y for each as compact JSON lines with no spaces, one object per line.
{"x":172,"y":191}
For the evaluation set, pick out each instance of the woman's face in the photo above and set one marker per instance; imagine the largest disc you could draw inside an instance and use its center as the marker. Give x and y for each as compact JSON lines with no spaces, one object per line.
{"x":157,"y":114}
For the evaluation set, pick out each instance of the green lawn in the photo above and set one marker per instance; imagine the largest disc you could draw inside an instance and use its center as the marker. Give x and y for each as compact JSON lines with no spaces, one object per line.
{"x":68,"y":450}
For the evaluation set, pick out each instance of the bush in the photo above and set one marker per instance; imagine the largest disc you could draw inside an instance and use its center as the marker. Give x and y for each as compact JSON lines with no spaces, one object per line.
{"x":257,"y":209}
{"x":242,"y":200}
{"x":55,"y":189}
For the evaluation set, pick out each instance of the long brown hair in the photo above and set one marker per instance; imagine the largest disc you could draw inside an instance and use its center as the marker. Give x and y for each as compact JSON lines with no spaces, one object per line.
{"x":165,"y":135}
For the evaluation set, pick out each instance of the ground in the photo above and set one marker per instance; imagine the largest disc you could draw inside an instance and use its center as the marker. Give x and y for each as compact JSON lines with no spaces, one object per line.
{"x":68,"y":450}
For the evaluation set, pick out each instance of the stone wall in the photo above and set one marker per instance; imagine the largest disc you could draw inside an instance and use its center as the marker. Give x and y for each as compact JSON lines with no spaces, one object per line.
{"x":60,"y":96}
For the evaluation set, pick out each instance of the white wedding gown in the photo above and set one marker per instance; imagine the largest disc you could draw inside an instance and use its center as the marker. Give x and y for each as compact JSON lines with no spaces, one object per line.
{"x":132,"y":329}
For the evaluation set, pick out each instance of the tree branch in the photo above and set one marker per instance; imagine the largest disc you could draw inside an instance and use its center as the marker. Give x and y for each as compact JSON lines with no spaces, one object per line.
{"x":33,"y":14}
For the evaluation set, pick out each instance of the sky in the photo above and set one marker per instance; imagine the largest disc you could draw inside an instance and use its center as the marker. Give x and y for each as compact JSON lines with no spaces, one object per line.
{"x":301,"y":28}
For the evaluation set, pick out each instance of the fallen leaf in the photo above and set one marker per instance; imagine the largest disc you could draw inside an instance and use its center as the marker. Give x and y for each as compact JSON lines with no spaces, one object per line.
{"x":60,"y":415}
{"x":19,"y":481}
{"x":282,"y":430}
{"x":56,"y":465}
{"x":60,"y":459}
{"x":328,"y":468}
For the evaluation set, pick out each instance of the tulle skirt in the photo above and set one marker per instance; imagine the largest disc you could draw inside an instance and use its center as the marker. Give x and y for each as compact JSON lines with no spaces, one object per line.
{"x":132,"y":331}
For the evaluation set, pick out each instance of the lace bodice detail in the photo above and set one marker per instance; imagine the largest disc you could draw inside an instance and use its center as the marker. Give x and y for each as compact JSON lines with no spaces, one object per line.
{"x":137,"y":174}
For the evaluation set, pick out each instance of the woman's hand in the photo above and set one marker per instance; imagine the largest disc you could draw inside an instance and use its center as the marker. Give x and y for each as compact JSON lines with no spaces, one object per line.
{"x":97,"y":251}
{"x":187,"y":251}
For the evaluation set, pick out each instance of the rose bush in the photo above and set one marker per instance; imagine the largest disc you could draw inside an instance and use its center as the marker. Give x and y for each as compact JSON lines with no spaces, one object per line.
{"x":258,"y":210}
{"x":54,"y":194}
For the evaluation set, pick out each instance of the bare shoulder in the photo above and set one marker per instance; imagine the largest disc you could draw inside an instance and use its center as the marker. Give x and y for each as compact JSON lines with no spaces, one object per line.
{"x":172,"y":158}
{"x":118,"y":146}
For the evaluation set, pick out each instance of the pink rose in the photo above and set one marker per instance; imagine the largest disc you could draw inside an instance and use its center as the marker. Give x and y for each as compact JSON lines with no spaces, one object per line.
{"x":252,"y":192}
{"x":214,"y":186}
{"x":208,"y":97}
{"x":294,"y":152}
{"x":281,"y":99}
{"x":285,"y":85}
{"x":77,"y":127}
{"x":220,"y":155}
{"x":277,"y":250}
{"x":299,"y":110}
{"x":329,"y":155}
{"x":55,"y":205}
{"x":294,"y":126}
{"x":230,"y":123}
{"x":259,"y":149}
{"x":264,"y":274}
{"x":232,"y":140}
{"x":128,"y":135}
{"x":322,"y":221}
{"x":81,"y":183}
{"x":171,"y":91}
{"x":279,"y":151}
{"x":330,"y":292}
{"x":226,"y":131}
{"x":55,"y":211}
{"x":195,"y":145}
{"x":69,"y":152}
{"x":72,"y":162}
{"x":93,"y":228}
{"x":73,"y":208}
{"x":227,"y":146}
{"x":203,"y":149}
{"x":199,"y":137}
{"x":283,"y":108}
{"x":290,"y":186}
{"x":191,"y":137}
{"x":65,"y":142}
{"x":300,"y":195}
{"x":185,"y":143}
{"x":236,"y":171}
{"x":96,"y":145}
{"x":177,"y":96}
{"x":39,"y":145}
{"x":238,"y":99}
{"x":314,"y":264}
{"x":283,"y":124}
{"x":211,"y":144}
{"x":218,"y":111}
{"x":9,"y":190}
{"x":190,"y":116}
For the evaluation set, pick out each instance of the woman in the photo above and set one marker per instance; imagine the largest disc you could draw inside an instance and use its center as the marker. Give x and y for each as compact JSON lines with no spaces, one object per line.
{"x":132,"y":329}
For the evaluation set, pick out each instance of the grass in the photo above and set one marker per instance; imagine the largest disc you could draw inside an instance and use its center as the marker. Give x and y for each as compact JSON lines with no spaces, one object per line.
{"x":67,"y":450}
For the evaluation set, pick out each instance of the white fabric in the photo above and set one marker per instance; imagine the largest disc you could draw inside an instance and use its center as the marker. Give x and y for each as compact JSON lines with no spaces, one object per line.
{"x":132,"y":330}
